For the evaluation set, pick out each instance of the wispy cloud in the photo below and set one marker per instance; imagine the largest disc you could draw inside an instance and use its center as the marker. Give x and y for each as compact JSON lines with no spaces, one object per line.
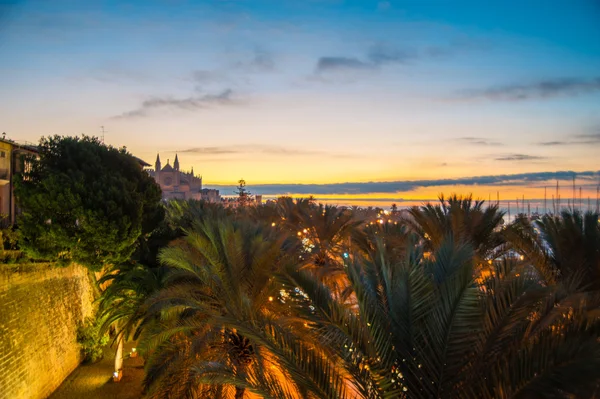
{"x":479,"y":141}
{"x":328,"y":64}
{"x":261,"y":149}
{"x":578,"y":139}
{"x":559,"y":87}
{"x":224,"y":97}
{"x":376,"y":56}
{"x":519,"y":157}
{"x":521,"y":179}
{"x":260,"y":61}
{"x":382,"y":54}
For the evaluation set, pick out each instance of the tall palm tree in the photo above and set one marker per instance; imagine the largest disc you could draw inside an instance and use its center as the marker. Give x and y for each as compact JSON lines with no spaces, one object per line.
{"x":127,"y":285}
{"x":224,"y":325}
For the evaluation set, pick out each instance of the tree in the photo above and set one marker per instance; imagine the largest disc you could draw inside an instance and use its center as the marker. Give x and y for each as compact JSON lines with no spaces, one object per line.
{"x":465,"y":220}
{"x":563,"y":247}
{"x":423,"y":328}
{"x":128,"y":286}
{"x":86,"y":202}
{"x":243,"y":193}
{"x":218,"y":320}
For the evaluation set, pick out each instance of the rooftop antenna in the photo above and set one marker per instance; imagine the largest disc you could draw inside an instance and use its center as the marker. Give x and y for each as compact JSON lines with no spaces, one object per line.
{"x":102,"y":130}
{"x":574,"y":193}
{"x":557,"y":198}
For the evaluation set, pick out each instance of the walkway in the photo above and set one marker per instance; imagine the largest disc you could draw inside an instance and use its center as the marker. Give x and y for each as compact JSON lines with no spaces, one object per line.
{"x":94,"y":381}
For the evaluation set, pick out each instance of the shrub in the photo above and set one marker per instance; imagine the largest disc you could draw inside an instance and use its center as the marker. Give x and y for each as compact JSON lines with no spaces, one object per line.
{"x":10,"y":239}
{"x":91,"y":340}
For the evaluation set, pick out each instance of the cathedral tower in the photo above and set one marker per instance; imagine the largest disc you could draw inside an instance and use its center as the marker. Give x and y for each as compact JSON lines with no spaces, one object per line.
{"x":157,"y":169}
{"x":177,"y":174}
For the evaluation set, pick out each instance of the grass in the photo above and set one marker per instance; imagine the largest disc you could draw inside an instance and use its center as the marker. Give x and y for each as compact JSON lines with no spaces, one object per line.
{"x":94,"y":381}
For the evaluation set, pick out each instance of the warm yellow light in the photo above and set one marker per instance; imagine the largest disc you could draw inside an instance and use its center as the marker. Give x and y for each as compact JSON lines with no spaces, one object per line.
{"x":270,"y":299}
{"x":273,"y":224}
{"x":299,"y":233}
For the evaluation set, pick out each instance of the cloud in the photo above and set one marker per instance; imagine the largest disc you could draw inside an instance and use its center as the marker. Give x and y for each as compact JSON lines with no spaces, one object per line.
{"x":327,"y":64}
{"x":376,"y":56}
{"x":553,"y":143}
{"x":206,"y":76}
{"x":591,"y":138}
{"x":559,"y":87}
{"x":261,"y":61}
{"x":479,"y":141}
{"x":260,"y":149}
{"x":578,"y":139}
{"x":404,"y":186}
{"x":519,"y":157}
{"x":380,"y":55}
{"x":187,"y":104}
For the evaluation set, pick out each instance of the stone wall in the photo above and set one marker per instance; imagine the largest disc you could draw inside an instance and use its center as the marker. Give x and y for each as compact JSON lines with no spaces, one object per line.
{"x":41,"y":306}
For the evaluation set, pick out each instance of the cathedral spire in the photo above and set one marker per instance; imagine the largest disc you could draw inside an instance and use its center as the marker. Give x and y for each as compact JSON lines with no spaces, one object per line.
{"x":157,"y":164}
{"x":192,"y":171}
{"x":176,"y":163}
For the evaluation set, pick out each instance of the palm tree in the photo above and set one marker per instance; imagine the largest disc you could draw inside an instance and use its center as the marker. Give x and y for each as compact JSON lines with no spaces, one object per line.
{"x":425,"y":329}
{"x":563,"y":247}
{"x":465,"y":220}
{"x":324,"y":234}
{"x":128,"y":285}
{"x":225,"y":325}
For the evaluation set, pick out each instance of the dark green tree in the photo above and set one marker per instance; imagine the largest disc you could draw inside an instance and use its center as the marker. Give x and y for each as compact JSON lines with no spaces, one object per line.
{"x":243,"y":193}
{"x":86,"y":202}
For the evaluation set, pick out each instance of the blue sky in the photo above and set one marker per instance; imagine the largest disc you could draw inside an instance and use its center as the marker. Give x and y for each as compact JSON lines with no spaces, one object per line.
{"x":316,"y":91}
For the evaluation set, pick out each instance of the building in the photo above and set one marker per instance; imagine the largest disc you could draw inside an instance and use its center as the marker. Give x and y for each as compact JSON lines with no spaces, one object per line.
{"x":13,"y":160}
{"x":178,"y":184}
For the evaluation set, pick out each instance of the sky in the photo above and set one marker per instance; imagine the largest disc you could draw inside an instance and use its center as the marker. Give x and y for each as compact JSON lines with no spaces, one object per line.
{"x":351,"y":101}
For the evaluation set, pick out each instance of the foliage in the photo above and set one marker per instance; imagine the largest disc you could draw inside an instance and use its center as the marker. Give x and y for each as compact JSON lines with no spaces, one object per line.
{"x":463,"y":219}
{"x":13,"y":256}
{"x":565,"y":246}
{"x":84,"y":201}
{"x":10,"y":238}
{"x":295,"y":299}
{"x":92,"y":340}
{"x":243,"y":193}
{"x":216,"y":315}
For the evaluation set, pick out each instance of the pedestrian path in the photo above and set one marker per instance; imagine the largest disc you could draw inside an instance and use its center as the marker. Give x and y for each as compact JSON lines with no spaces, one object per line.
{"x":94,"y":381}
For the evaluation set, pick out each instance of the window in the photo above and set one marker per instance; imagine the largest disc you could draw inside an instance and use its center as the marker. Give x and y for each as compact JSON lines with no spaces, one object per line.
{"x":2,"y":154}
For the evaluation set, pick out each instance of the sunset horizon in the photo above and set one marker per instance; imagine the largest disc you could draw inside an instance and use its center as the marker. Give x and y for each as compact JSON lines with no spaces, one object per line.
{"x":326,"y":98}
